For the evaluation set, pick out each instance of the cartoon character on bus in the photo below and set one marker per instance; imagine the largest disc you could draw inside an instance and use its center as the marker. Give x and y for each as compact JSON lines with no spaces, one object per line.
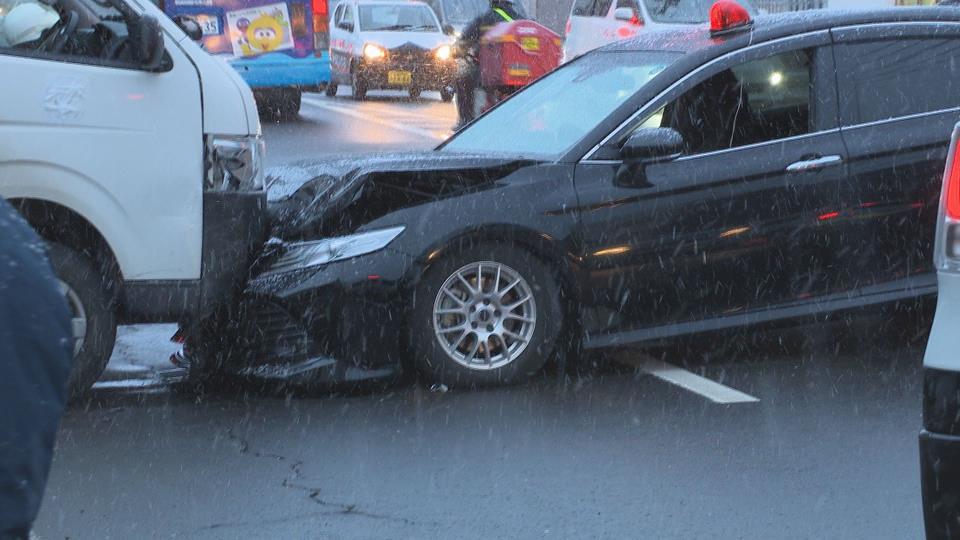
{"x":260,"y":30}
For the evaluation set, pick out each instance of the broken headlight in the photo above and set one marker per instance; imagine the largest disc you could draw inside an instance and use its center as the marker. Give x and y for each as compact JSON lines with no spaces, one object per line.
{"x":234,"y":163}
{"x":303,"y":255}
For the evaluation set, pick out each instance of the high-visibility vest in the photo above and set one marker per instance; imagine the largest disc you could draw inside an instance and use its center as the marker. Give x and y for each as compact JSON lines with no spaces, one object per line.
{"x":506,"y":16}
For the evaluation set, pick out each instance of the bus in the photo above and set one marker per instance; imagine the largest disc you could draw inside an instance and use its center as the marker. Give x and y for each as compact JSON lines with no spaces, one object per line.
{"x":280,"y":47}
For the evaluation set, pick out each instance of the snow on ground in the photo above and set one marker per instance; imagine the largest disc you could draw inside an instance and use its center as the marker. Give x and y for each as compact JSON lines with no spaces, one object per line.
{"x":140,"y":351}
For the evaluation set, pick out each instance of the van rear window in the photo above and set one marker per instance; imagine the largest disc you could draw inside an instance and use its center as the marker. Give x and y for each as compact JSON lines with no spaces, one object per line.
{"x":591,"y":8}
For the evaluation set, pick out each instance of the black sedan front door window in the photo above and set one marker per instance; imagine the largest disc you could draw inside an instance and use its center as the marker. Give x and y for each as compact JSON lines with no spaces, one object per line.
{"x":732,"y":226}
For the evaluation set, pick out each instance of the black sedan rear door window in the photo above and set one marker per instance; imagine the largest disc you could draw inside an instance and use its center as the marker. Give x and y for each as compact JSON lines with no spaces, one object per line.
{"x":880,"y":80}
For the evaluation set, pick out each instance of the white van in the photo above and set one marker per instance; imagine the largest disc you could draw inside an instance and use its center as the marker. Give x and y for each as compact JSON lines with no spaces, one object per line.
{"x":595,"y":23}
{"x":136,"y":155}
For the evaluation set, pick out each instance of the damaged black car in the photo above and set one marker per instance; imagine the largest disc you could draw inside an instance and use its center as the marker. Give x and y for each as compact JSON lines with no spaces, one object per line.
{"x":684,"y":181}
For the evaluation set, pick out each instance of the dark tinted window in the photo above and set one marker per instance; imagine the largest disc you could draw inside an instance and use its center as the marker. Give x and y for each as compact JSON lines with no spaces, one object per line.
{"x":880,"y":80}
{"x":758,"y":101}
{"x":592,"y":8}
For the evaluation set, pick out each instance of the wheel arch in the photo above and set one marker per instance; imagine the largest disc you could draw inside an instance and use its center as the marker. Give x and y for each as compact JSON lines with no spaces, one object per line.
{"x":57,"y":223}
{"x":545,"y":247}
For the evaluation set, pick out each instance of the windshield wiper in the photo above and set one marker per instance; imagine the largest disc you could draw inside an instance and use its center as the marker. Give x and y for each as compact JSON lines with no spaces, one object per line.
{"x":396,"y":27}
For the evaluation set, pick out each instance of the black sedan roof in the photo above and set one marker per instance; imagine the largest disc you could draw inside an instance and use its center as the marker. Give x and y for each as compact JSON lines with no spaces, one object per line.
{"x":769,"y":27}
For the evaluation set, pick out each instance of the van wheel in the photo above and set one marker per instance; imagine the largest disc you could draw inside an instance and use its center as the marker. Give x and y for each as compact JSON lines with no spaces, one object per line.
{"x":414,"y":93}
{"x":446,"y":94}
{"x":359,"y":86}
{"x":290,"y":101}
{"x":331,"y":90}
{"x":93,"y":318}
{"x":490,"y":314}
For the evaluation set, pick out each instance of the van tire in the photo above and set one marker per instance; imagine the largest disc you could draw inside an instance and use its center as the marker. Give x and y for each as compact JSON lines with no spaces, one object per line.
{"x":289,"y":103}
{"x":331,"y":90}
{"x":88,"y":286}
{"x":446,"y":94}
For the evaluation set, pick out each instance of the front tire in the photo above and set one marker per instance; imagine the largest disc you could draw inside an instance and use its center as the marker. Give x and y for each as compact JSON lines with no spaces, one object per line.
{"x":94,"y":320}
{"x":486,"y":315}
{"x":446,"y":94}
{"x":331,"y":90}
{"x":358,"y":86}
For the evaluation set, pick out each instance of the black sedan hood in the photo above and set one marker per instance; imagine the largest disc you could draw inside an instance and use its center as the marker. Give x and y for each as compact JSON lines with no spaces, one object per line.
{"x":312,"y":199}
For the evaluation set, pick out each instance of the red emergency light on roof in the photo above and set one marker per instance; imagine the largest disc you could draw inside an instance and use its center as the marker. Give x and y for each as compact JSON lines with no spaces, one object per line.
{"x":727,"y":16}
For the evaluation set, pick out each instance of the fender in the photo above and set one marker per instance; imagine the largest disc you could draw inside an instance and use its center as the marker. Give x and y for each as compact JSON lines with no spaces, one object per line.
{"x":85,"y":196}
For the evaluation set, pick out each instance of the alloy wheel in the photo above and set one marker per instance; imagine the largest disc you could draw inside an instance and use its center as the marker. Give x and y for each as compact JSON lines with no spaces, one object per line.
{"x":484,"y":315}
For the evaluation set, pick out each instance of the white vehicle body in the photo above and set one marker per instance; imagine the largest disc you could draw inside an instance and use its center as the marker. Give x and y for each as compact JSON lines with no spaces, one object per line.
{"x":940,"y":436}
{"x":114,"y":162}
{"x":595,"y":23}
{"x":422,"y":53}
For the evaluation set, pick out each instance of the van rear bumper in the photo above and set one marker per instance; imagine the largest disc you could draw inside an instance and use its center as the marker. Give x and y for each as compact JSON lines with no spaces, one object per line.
{"x":940,"y":453}
{"x":235,"y":227}
{"x":940,"y":484}
{"x":278,"y":69}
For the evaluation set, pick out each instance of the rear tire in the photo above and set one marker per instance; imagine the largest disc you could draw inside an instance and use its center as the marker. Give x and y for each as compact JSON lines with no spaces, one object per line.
{"x":414,"y":93}
{"x":446,"y":95}
{"x":491,"y":343}
{"x":91,"y":304}
{"x":290,"y":101}
{"x":331,"y":90}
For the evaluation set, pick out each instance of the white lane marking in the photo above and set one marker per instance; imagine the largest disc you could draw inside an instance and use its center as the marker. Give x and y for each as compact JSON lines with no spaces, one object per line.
{"x":670,"y":373}
{"x":375,"y":119}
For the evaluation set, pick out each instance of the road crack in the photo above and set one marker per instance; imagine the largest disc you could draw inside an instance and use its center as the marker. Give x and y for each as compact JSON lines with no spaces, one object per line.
{"x":295,"y":481}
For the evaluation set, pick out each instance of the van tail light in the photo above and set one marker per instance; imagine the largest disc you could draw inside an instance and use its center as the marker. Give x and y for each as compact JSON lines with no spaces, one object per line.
{"x":569,"y":27}
{"x":321,"y":26}
{"x":947,"y":254}
{"x":636,"y":20}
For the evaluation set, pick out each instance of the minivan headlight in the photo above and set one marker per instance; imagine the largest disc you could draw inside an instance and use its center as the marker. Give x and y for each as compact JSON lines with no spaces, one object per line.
{"x":303,"y":255}
{"x":234,"y":163}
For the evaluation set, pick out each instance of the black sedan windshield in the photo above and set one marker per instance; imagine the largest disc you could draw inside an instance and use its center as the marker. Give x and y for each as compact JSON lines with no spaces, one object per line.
{"x":551,"y":116}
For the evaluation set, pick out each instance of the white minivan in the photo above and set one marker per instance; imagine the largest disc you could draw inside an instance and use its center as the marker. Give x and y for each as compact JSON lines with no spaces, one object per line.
{"x":595,"y":23}
{"x":135,"y":155}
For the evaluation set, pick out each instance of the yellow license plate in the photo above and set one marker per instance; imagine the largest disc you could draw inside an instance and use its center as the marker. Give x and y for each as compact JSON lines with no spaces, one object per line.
{"x":530,"y":43}
{"x":399,"y":77}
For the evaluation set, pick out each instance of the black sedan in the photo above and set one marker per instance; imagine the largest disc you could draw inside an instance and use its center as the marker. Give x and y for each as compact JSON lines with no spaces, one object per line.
{"x":688,"y":180}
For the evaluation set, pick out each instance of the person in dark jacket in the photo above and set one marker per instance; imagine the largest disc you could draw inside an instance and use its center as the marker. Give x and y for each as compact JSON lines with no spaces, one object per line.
{"x":35,"y":357}
{"x":468,"y":47}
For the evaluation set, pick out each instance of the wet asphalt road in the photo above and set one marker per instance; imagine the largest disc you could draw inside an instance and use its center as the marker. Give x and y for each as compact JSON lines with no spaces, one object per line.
{"x":826,"y":450}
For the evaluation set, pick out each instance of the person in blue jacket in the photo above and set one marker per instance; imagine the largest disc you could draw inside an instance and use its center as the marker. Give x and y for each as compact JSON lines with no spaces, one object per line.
{"x":35,"y":357}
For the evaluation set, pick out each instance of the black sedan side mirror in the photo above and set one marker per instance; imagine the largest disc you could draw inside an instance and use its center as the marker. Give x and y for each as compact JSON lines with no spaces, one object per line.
{"x":644,"y":147}
{"x":147,"y":40}
{"x":449,"y":30}
{"x":190,"y":27}
{"x":652,"y":144}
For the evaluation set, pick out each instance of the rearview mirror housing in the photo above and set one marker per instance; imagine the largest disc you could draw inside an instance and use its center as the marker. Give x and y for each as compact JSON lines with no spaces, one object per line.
{"x":190,"y":27}
{"x":146,"y":37}
{"x":648,"y":145}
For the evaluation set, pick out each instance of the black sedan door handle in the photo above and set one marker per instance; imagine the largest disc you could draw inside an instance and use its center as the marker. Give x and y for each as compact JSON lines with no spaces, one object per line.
{"x":813,"y":164}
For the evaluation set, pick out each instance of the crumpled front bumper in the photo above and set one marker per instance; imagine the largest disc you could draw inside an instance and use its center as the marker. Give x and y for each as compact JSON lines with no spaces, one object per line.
{"x":339,"y":322}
